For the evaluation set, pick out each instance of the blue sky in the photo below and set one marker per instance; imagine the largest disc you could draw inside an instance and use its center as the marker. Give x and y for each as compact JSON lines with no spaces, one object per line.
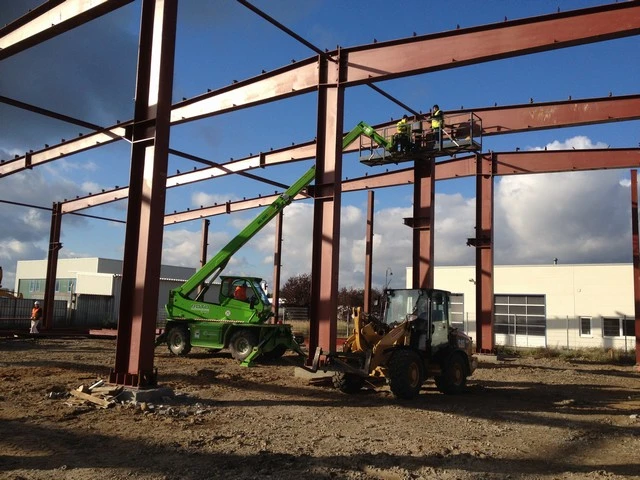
{"x":89,"y":73}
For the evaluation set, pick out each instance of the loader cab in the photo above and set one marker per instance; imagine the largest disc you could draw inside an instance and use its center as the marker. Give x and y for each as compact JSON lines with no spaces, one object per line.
{"x":427,"y":310}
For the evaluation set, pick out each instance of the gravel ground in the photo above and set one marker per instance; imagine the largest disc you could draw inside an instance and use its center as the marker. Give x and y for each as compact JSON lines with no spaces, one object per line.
{"x":520,"y":419}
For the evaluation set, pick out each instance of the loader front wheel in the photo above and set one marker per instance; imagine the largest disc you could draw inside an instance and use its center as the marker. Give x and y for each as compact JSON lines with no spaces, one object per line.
{"x":347,"y":382}
{"x":454,"y":376}
{"x":242,"y":343}
{"x":406,"y":374}
{"x":178,"y":341}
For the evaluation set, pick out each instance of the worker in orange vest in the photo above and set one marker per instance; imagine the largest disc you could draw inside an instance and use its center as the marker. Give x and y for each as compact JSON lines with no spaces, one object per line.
{"x":36,"y":317}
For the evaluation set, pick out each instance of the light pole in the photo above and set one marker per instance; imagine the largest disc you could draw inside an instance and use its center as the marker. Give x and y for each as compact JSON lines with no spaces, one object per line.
{"x":387,"y":277}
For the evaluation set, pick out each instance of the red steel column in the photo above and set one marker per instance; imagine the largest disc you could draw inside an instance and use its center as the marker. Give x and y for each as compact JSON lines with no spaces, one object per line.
{"x":422,"y":222}
{"x":484,"y":253}
{"x":204,"y":242}
{"x":277,"y":265}
{"x":636,"y":260}
{"x":368,"y":253}
{"x":326,"y":214}
{"x":145,"y":212}
{"x":52,"y":267}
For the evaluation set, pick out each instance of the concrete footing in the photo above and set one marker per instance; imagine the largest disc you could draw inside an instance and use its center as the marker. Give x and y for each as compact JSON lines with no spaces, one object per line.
{"x":151,"y":395}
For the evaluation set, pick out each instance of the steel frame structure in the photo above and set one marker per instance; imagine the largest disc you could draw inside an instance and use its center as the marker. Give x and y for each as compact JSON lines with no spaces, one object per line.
{"x":329,"y":74}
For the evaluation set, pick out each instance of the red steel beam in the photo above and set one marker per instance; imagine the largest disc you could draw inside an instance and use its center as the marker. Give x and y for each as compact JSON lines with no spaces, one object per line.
{"x":636,"y":261}
{"x":204,"y":242}
{"x":145,"y":211}
{"x":52,"y":267}
{"x":547,"y":115}
{"x":484,"y":254}
{"x":326,"y":209}
{"x":368,"y":253}
{"x":496,"y":121}
{"x":424,"y":191}
{"x":50,"y":19}
{"x":277,"y":267}
{"x":563,"y":161}
{"x":540,"y":161}
{"x":491,"y":42}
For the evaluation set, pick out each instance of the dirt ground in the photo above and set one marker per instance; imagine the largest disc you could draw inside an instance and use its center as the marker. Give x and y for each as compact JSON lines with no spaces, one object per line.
{"x":520,"y":419}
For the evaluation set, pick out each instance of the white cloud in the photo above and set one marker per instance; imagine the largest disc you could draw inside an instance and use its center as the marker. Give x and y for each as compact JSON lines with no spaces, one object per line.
{"x":208,"y":199}
{"x":579,"y":142}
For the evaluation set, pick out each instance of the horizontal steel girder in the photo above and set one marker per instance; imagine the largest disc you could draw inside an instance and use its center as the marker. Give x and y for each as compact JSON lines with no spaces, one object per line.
{"x":491,"y":42}
{"x":50,"y":19}
{"x":507,"y":163}
{"x":495,"y":121}
{"x":510,"y":119}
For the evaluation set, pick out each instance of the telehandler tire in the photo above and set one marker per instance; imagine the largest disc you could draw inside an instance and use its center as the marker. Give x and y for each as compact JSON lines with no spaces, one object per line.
{"x":406,"y":374}
{"x":242,"y":343}
{"x":454,"y":376}
{"x":347,"y":382}
{"x":178,"y":341}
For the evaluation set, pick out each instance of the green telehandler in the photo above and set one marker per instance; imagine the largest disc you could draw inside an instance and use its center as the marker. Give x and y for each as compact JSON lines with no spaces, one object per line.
{"x":236,"y":314}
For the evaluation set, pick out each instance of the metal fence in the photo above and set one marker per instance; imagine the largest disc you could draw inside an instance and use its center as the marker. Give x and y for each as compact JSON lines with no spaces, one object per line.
{"x":15,"y":313}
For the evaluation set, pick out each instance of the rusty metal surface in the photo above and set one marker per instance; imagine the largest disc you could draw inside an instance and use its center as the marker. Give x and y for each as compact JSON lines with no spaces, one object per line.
{"x":457,"y":48}
{"x":484,"y":254}
{"x":507,"y":163}
{"x":541,"y":161}
{"x":422,"y":222}
{"x":636,"y":259}
{"x":277,"y":266}
{"x":145,"y":212}
{"x":496,"y":121}
{"x":326,"y":215}
{"x":50,"y":19}
{"x":547,"y":115}
{"x":52,"y":266}
{"x":368,"y":253}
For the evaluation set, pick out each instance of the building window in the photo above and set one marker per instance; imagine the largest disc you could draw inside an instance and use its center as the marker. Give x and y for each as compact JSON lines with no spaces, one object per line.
{"x":57,"y":285}
{"x":520,"y":315}
{"x":611,"y":327}
{"x":629,"y":327}
{"x":585,"y":326}
{"x":70,"y":286}
{"x":456,"y":313}
{"x":34,"y":286}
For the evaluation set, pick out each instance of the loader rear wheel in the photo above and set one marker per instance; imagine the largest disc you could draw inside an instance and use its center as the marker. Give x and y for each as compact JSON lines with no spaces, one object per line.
{"x":454,"y":376}
{"x":242,"y":343}
{"x":347,"y":382}
{"x":406,"y":374}
{"x":178,"y":341}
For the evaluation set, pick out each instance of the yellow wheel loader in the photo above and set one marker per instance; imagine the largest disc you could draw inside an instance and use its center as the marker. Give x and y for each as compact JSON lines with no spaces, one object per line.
{"x":411,"y":341}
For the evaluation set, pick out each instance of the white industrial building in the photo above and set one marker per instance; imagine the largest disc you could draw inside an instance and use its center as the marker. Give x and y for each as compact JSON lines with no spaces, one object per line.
{"x":556,"y":306}
{"x":91,"y":287}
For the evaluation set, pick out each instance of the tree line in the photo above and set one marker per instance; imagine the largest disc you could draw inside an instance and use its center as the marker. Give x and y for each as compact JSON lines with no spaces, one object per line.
{"x":297,"y":292}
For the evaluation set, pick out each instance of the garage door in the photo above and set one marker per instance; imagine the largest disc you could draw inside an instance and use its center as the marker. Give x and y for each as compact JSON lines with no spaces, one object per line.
{"x":520,"y":320}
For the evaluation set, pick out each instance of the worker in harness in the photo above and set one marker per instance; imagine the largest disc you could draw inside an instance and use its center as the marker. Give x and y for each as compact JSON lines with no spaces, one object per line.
{"x":437,"y":124}
{"x":401,"y":139}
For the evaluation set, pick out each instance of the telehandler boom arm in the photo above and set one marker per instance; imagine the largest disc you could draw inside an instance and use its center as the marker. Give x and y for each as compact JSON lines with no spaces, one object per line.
{"x":214,"y":267}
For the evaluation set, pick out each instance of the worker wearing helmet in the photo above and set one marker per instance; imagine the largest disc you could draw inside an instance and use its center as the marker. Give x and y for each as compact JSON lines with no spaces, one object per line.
{"x":36,"y":317}
{"x":437,"y":124}
{"x":401,"y":138}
